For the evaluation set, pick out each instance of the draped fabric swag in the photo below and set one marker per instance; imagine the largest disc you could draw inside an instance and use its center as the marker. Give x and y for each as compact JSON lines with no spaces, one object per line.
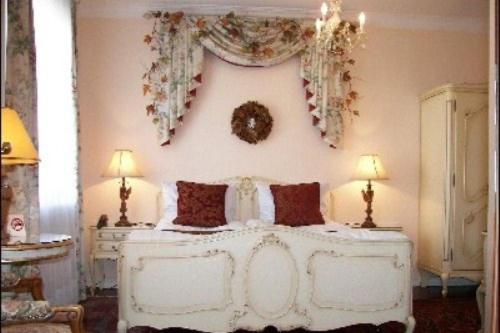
{"x":179,"y":40}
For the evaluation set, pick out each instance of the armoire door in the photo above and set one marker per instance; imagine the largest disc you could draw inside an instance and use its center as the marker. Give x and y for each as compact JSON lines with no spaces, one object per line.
{"x":432,"y":227}
{"x":470,"y":180}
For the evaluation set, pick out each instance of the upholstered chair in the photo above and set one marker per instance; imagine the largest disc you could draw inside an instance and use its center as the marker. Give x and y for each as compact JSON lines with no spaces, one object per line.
{"x":37,"y":315}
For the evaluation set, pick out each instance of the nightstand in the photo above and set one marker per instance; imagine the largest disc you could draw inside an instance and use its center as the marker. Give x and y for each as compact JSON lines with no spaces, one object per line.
{"x":105,"y":242}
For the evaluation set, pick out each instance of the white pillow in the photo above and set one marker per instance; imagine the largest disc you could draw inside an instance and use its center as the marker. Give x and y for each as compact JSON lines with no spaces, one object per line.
{"x":171,"y":195}
{"x":266,"y":201}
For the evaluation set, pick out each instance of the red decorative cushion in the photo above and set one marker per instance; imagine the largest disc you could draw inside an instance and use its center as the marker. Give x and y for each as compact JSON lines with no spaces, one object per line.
{"x":200,"y":205}
{"x":297,"y":205}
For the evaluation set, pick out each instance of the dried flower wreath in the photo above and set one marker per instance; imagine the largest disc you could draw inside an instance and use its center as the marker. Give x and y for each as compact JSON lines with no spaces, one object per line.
{"x":251,"y":122}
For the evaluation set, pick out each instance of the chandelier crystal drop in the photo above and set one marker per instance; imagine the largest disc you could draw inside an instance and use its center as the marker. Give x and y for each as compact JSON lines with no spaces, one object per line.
{"x":332,"y":31}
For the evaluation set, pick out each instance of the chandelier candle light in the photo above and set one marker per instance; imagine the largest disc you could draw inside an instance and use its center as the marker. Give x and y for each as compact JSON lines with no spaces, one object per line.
{"x":330,"y":21}
{"x":123,"y":165}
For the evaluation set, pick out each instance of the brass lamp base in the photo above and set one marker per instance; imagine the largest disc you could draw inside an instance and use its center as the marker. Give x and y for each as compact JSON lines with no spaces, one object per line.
{"x":123,"y":222}
{"x":368,"y":224}
{"x":124,"y":195}
{"x":368,"y":198}
{"x":6,"y":197}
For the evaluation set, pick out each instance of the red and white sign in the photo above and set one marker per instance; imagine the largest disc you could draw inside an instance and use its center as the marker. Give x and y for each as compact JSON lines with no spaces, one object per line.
{"x":16,"y":226}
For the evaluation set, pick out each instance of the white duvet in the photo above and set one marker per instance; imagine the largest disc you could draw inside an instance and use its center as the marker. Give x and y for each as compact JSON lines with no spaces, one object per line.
{"x":173,"y":232}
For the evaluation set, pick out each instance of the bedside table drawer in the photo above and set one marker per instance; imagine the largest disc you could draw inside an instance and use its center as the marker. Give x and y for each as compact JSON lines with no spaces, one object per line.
{"x":107,"y":246}
{"x":111,"y":236}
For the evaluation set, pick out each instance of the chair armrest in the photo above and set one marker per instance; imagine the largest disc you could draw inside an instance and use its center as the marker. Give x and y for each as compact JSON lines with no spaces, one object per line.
{"x":70,"y":314}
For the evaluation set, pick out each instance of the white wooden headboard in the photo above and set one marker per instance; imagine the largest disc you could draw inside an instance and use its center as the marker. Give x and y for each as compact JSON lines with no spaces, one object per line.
{"x":247,"y":203}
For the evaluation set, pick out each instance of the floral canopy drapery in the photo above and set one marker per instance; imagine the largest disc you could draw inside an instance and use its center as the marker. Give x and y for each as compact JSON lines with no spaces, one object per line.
{"x":178,"y":40}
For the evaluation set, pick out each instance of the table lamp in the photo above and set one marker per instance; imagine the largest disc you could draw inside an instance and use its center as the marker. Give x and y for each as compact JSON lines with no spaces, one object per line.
{"x":369,"y":168}
{"x":122,"y":165}
{"x":17,"y":149}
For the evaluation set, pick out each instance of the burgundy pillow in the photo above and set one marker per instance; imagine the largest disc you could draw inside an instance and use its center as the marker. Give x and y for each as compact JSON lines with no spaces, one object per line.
{"x":297,"y":205}
{"x":200,"y":205}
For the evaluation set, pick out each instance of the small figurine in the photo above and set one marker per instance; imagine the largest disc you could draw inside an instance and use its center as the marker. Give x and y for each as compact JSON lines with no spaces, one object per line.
{"x":103,"y":221}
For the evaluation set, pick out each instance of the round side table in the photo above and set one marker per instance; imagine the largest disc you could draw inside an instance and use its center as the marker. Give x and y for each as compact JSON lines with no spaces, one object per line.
{"x":42,"y":247}
{"x":22,"y":251}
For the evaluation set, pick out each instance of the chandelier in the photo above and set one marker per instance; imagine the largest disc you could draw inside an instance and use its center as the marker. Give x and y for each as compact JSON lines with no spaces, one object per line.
{"x":333,"y":34}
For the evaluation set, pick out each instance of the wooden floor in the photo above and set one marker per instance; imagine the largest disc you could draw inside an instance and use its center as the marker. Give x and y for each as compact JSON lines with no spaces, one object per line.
{"x":420,"y":293}
{"x":458,"y":313}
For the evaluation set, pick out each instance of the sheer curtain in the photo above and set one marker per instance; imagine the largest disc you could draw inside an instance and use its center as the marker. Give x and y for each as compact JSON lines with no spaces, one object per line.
{"x":58,"y":143}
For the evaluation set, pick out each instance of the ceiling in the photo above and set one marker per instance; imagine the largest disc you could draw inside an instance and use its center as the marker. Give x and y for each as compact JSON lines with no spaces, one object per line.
{"x":447,"y":8}
{"x":468,"y":14}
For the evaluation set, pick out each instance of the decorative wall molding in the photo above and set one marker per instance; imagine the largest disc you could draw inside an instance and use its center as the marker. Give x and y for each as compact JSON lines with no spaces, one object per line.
{"x":376,"y":19}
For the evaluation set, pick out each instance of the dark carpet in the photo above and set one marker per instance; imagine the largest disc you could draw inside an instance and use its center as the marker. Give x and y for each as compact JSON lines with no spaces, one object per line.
{"x":457,"y":313}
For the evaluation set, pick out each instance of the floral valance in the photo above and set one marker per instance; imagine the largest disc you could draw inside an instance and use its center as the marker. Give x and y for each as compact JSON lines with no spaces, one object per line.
{"x":174,"y":75}
{"x":252,"y":41}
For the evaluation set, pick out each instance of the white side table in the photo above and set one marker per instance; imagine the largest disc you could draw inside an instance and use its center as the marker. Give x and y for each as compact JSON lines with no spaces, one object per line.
{"x":19,"y":251}
{"x":42,"y":247}
{"x":105,"y":243}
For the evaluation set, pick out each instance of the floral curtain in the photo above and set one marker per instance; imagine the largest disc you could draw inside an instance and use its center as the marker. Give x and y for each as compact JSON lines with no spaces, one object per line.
{"x":173,"y":77}
{"x":175,"y":74}
{"x":327,"y":81}
{"x":79,"y":229}
{"x":20,"y":94}
{"x":252,"y":41}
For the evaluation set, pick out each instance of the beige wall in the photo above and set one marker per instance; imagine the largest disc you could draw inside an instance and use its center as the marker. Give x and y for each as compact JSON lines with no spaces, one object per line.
{"x":394,"y":69}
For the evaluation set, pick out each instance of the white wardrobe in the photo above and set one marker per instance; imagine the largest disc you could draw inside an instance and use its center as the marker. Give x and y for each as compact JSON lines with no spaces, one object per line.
{"x":453,"y":181}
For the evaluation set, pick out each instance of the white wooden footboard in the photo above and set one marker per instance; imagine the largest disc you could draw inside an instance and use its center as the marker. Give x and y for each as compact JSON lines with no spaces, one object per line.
{"x":250,"y":279}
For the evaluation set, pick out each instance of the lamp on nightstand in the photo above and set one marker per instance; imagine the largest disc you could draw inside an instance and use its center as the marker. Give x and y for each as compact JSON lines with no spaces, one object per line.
{"x":123,"y":165}
{"x":17,"y":148}
{"x":369,"y":168}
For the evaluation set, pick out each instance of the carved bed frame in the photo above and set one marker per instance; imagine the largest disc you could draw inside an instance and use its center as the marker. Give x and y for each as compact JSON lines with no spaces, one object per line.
{"x":274,"y":276}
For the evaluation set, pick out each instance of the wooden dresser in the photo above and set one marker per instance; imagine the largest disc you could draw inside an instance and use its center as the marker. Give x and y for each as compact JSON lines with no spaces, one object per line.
{"x":105,"y":242}
{"x":453,"y":181}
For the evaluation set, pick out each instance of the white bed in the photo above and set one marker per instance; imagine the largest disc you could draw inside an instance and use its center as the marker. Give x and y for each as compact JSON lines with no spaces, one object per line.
{"x":316,"y":277}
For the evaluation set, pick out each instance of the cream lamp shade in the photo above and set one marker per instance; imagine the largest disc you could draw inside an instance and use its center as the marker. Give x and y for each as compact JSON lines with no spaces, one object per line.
{"x":122,"y":165}
{"x":370,"y":168}
{"x":17,"y":147}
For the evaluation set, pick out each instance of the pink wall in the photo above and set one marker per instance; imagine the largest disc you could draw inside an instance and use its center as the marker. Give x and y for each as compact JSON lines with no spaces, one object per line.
{"x":394,"y":69}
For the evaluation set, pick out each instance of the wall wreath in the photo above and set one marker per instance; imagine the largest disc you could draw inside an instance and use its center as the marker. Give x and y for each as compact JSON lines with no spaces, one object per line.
{"x":251,"y":122}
